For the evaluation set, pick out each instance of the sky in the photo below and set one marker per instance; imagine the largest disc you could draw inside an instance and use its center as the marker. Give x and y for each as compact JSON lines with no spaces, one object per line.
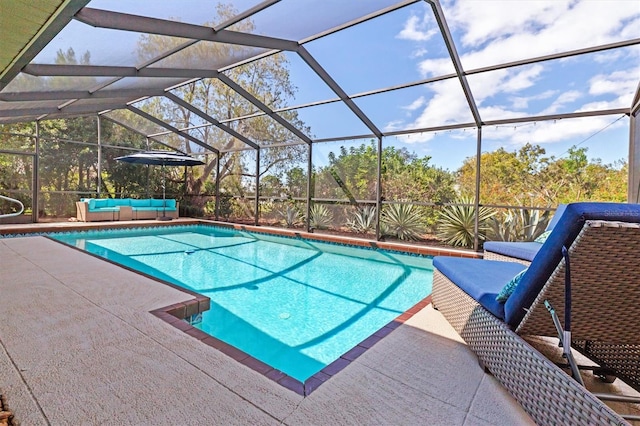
{"x":405,"y":46}
{"x":409,"y":48}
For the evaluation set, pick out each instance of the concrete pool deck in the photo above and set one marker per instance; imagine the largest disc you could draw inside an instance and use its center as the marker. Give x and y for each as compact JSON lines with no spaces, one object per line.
{"x":80,"y":346}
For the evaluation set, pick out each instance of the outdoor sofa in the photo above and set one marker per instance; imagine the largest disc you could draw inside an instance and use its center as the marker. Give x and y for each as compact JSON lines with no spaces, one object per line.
{"x":519,"y":251}
{"x":594,"y":284}
{"x":103,"y":209}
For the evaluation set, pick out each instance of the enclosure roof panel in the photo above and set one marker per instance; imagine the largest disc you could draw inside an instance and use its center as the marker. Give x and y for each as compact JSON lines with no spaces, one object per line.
{"x":316,"y":68}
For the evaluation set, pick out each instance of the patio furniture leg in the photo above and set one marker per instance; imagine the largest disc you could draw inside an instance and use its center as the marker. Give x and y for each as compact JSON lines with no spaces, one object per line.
{"x":565,"y":334}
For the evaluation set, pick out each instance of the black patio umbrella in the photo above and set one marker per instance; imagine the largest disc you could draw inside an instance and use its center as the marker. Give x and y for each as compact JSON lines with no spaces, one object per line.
{"x":161,"y":158}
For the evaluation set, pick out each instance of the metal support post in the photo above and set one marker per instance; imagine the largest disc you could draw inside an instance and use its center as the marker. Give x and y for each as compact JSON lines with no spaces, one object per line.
{"x":307,"y":222}
{"x":476,"y":223}
{"x":379,"y":190}
{"x":256,"y":212}
{"x":35,"y":205}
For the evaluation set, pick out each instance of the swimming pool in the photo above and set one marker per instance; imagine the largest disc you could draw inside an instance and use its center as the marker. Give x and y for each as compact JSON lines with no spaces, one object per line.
{"x":296,"y":305}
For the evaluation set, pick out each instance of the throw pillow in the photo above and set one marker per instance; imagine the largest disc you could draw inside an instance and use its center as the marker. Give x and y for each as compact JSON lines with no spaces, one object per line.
{"x":510,"y":287}
{"x":543,"y":237}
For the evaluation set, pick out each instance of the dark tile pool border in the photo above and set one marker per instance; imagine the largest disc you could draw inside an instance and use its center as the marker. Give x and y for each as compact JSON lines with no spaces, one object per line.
{"x":171,"y":314}
{"x":25,"y":230}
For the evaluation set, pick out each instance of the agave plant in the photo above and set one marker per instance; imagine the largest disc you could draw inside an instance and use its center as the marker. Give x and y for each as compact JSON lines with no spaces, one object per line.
{"x":321,"y":217}
{"x":290,"y":215}
{"x":404,"y":221}
{"x":502,"y":228}
{"x":457,"y":222}
{"x":533,"y":224}
{"x":525,"y":225}
{"x":363,"y":220}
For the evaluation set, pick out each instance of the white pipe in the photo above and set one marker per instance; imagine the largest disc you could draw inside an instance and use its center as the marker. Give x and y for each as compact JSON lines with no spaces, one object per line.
{"x":13,"y":200}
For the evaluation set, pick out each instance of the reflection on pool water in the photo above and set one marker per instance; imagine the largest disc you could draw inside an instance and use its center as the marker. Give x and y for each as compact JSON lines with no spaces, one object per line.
{"x":294,"y":304}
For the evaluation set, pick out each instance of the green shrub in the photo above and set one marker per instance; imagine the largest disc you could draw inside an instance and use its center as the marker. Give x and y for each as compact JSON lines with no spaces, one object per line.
{"x":321,"y":217}
{"x":457,"y":222}
{"x":524,"y":225}
{"x":363,"y":220}
{"x":290,"y":215}
{"x":404,"y":221}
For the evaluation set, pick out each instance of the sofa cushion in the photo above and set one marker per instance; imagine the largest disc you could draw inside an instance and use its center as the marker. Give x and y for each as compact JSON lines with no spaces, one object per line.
{"x":147,"y":209}
{"x":479,"y":278}
{"x":157,"y":203}
{"x":525,"y":250}
{"x":122,"y":202}
{"x":101,"y":203}
{"x":171,"y":204}
{"x":141,"y":203}
{"x":564,"y":233}
{"x":154,"y":209}
{"x":92,"y":203}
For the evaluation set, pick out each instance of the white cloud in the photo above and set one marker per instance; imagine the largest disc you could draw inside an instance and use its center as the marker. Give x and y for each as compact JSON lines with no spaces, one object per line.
{"x":496,"y":113}
{"x":436,"y":67}
{"x":494,"y":31}
{"x":619,"y":83}
{"x":392,"y":126}
{"x":561,"y":130}
{"x":497,"y":31}
{"x":522,"y":79}
{"x":522,"y":102}
{"x":415,"y":138}
{"x":562,"y":99}
{"x":418,"y":53}
{"x":607,"y":57}
{"x":548,"y":132}
{"x":447,"y":106}
{"x":484,"y":20}
{"x":500,"y":31}
{"x":417,"y":30}
{"x":415,"y":104}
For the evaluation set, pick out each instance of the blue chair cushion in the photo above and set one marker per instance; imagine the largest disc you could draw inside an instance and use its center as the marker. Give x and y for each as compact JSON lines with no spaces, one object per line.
{"x":564,"y":233}
{"x":171,"y":204}
{"x":526,"y":250}
{"x":157,"y":203}
{"x":556,"y":217}
{"x":479,"y":278}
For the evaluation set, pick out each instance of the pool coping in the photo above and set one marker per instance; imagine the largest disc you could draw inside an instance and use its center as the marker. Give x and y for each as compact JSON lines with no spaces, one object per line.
{"x":19,"y":230}
{"x":179,"y":314}
{"x":168,"y":314}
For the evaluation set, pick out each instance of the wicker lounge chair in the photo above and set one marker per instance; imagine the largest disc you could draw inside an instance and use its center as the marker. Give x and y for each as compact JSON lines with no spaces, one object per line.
{"x":519,"y":251}
{"x":602,"y":313}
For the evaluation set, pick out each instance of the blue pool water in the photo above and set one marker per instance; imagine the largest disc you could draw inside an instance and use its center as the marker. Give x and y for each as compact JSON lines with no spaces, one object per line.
{"x":294,"y":304}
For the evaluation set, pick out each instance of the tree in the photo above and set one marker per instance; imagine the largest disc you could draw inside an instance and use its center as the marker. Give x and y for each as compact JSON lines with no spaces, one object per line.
{"x":267,"y":79}
{"x":296,"y":182}
{"x":405,"y":177}
{"x":527,"y":177}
